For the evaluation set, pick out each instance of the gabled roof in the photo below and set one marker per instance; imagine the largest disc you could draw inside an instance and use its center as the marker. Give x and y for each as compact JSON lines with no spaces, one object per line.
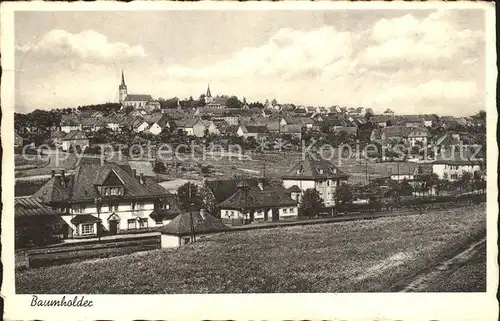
{"x":31,"y":206}
{"x":249,"y":197}
{"x":292,"y":128}
{"x":294,"y":189}
{"x":56,"y":134}
{"x":86,"y":122}
{"x":306,"y":120}
{"x":84,"y":218}
{"x":185,"y":223}
{"x":318,"y":168}
{"x":82,"y":185}
{"x":139,"y":97}
{"x":254,"y":129}
{"x":75,"y":134}
{"x":153,"y":118}
{"x":222,"y":189}
{"x":70,"y":120}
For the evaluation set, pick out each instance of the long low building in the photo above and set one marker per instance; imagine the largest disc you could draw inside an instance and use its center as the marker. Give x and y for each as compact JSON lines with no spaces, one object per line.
{"x":259,"y":203}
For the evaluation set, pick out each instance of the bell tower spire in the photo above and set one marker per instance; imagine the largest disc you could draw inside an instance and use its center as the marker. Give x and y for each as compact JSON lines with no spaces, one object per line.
{"x":123,"y":80}
{"x":122,"y":90}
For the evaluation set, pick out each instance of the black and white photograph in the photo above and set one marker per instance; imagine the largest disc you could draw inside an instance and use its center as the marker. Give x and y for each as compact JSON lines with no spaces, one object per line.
{"x":257,"y":151}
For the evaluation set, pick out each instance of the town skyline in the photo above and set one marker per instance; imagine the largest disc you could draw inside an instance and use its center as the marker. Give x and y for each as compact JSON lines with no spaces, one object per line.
{"x":384,"y":60}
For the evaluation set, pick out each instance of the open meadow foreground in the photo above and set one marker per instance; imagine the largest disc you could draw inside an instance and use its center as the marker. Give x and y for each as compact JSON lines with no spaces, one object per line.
{"x":421,"y":252}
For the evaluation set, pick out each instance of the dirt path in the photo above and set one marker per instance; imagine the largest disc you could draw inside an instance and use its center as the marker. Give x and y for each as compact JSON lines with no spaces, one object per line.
{"x":444,"y":277}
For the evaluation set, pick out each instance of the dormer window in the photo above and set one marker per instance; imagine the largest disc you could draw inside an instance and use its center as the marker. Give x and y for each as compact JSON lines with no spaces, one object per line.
{"x":321,"y":171}
{"x":164,"y":206}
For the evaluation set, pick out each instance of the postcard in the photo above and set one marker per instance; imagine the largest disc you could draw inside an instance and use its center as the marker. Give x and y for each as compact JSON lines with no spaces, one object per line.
{"x":249,"y":160}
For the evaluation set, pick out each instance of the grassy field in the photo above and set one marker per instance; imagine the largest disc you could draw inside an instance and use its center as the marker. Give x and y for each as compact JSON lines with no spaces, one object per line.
{"x":364,"y":256}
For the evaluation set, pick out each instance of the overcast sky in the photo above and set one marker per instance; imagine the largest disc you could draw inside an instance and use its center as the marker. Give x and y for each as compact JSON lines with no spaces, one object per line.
{"x":411,"y":61}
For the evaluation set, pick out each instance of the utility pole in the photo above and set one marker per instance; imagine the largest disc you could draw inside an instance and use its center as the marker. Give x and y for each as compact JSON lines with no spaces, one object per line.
{"x":191,"y":204}
{"x":97,"y":202}
{"x":399,"y":183}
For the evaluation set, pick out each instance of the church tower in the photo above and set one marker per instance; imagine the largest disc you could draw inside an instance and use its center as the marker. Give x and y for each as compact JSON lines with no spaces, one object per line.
{"x":122,"y":90}
{"x":208,"y":96}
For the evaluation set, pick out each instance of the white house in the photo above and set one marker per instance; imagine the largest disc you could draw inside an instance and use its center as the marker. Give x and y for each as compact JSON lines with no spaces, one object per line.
{"x":190,"y":227}
{"x":452,"y":170}
{"x":110,"y":196}
{"x":69,"y":123}
{"x":252,"y":131}
{"x":315,"y":173}
{"x":259,"y":203}
{"x":75,"y":139}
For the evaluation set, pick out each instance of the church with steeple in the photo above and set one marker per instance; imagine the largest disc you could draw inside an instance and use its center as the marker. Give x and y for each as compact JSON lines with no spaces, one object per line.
{"x":208,"y":96}
{"x":141,"y":101}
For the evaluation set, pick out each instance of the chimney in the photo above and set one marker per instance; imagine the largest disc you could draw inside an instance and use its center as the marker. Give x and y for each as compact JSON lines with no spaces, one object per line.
{"x":134,"y":172}
{"x":63,"y":172}
{"x":203,"y":214}
{"x":261,"y":184}
{"x":53,"y":173}
{"x":141,"y":179}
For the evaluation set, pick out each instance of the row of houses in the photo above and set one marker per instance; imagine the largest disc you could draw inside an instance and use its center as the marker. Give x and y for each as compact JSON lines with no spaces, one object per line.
{"x":103,"y":199}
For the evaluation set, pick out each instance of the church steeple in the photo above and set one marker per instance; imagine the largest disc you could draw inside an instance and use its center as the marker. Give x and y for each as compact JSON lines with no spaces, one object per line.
{"x":122,"y":90}
{"x":209,"y":94}
{"x":123,"y":80}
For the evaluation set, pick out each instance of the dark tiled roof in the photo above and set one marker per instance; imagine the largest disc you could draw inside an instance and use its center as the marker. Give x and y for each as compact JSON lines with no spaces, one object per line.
{"x":164,"y":214}
{"x":294,"y":189}
{"x":318,"y":168}
{"x":256,"y":129}
{"x":31,"y":206}
{"x":132,"y":97}
{"x":181,"y":225}
{"x":253,"y":197}
{"x":75,"y":134}
{"x":80,"y":186}
{"x":84,"y":218}
{"x":222,"y":189}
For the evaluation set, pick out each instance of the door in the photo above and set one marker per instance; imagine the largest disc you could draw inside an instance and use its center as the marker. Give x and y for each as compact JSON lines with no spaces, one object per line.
{"x":276,"y":214}
{"x":113,"y":227}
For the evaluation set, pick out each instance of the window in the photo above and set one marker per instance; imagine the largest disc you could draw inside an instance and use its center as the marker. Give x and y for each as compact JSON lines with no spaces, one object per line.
{"x":132,"y":206}
{"x":327,"y":183}
{"x":164,"y":206}
{"x":79,"y":209}
{"x":87,"y":229}
{"x":140,"y":205}
{"x":131,"y":224}
{"x":143,"y":223}
{"x":186,"y":240}
{"x":113,"y":208}
{"x":291,"y":210}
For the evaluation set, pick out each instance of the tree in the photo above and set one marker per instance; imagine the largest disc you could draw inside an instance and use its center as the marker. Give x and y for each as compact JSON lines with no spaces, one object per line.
{"x":233,"y":102}
{"x":311,"y":203}
{"x":201,"y":101}
{"x":368,"y":114}
{"x":189,"y":197}
{"x":159,"y":167}
{"x":343,"y":195}
{"x":464,"y":180}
